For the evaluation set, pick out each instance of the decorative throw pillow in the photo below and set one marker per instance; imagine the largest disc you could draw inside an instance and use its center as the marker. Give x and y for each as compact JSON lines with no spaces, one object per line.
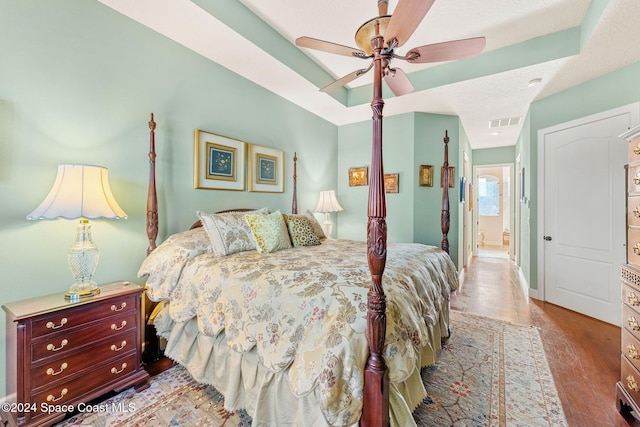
{"x":269,"y":232}
{"x":300,"y":230}
{"x":229,"y":232}
{"x":315,"y":225}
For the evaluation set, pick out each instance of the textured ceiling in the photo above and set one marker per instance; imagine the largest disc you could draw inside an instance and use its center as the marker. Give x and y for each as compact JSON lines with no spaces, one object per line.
{"x":562,"y":42}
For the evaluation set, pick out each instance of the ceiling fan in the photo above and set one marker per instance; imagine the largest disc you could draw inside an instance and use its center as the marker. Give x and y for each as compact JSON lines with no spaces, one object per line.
{"x":395,"y":30}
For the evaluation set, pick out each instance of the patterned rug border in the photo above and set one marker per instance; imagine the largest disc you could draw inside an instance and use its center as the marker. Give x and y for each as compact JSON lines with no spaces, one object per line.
{"x":175,"y":398}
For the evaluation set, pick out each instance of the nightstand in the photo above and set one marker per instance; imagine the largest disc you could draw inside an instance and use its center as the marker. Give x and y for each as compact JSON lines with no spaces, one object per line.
{"x":62,"y":353}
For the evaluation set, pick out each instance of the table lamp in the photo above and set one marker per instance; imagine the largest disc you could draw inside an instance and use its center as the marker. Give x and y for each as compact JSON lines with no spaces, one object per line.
{"x":80,"y":192}
{"x":327,"y":204}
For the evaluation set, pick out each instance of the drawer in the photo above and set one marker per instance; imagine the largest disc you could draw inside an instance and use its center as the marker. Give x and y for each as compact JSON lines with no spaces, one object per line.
{"x":79,"y":315}
{"x":633,"y":211}
{"x":61,"y":344}
{"x":66,"y":392}
{"x":634,"y":178}
{"x":631,"y":348}
{"x":633,"y":246}
{"x":631,"y":320}
{"x":631,"y":296}
{"x":634,"y":150}
{"x":630,"y":378}
{"x":69,"y":364}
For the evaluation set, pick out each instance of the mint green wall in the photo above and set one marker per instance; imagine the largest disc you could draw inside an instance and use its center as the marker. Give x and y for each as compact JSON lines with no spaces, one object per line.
{"x":429,"y":150}
{"x":523,"y":149}
{"x":77,"y":83}
{"x":491,"y":156}
{"x":354,"y":146}
{"x":604,"y":93}
{"x":409,"y":140}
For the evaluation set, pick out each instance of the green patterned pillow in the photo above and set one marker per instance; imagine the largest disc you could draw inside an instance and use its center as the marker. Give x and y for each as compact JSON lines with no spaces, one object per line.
{"x":300,"y":231}
{"x":315,"y":225}
{"x":269,"y":232}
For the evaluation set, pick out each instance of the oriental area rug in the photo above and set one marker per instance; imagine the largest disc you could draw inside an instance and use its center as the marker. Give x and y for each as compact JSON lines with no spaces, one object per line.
{"x":489,"y":373}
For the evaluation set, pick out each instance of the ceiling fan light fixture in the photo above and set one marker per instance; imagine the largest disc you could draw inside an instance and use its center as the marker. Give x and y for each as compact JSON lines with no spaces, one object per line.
{"x":367,"y":32}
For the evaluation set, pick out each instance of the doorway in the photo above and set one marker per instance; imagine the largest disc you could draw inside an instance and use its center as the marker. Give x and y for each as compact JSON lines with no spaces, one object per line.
{"x":494,"y":214}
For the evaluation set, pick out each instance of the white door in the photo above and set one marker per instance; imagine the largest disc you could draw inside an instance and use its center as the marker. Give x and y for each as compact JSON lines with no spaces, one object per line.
{"x":584,"y":216}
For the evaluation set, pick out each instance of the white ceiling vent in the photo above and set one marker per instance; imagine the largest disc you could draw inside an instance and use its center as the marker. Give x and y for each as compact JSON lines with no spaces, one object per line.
{"x":500,"y":123}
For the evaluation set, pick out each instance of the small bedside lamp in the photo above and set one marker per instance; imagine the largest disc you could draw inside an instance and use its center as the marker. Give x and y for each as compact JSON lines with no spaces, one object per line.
{"x":80,"y":192}
{"x":326,"y":204}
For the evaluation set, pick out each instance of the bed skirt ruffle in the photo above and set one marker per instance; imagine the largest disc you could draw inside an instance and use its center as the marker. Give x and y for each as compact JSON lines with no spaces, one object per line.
{"x":266,"y":395}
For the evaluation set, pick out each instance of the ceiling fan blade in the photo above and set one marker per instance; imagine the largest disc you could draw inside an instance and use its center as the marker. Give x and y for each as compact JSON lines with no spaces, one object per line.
{"x":405,"y":19}
{"x":325,"y":46}
{"x":344,"y":80}
{"x":398,"y":82}
{"x":446,"y":51}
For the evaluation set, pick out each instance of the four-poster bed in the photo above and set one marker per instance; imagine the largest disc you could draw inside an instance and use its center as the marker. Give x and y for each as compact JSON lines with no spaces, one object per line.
{"x":310,"y":388}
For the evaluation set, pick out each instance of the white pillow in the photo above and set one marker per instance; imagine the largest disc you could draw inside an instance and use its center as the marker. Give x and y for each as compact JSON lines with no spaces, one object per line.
{"x":229,"y":232}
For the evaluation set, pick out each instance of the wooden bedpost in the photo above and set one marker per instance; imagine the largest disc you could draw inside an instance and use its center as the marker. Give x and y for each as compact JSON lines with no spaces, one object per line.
{"x":375,"y":412}
{"x":152,"y":197}
{"x":444,"y":218}
{"x":294,"y":202}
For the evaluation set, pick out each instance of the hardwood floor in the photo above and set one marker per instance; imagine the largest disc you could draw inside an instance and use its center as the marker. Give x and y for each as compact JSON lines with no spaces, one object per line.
{"x":583,"y":353}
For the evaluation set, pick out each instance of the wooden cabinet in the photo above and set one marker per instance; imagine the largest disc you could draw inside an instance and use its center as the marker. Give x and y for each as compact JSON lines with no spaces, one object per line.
{"x":61,"y":354}
{"x":628,"y":388}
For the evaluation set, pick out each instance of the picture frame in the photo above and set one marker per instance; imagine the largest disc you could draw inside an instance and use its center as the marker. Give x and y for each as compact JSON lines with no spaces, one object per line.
{"x":391,"y":183}
{"x":358,"y":176}
{"x":425,"y":176}
{"x":219,"y":162}
{"x":452,"y":175}
{"x":462,"y":188}
{"x":470,"y":196}
{"x":266,"y":169}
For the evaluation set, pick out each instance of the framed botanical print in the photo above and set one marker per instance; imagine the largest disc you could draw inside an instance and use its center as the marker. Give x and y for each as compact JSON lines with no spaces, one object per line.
{"x":425,"y":177}
{"x":358,"y":176}
{"x":391,"y":183}
{"x":219,"y":162}
{"x":452,"y":175}
{"x":266,"y":169}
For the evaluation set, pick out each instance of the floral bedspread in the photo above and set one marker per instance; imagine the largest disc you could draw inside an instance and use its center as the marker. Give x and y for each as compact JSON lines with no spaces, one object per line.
{"x":304,"y":309}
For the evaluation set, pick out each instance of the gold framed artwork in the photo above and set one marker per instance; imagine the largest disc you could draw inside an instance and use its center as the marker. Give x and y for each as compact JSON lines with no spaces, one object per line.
{"x":391,"y":183}
{"x":266,"y":169}
{"x":358,"y":176}
{"x":452,"y":175}
{"x":219,"y":162}
{"x":425,"y":177}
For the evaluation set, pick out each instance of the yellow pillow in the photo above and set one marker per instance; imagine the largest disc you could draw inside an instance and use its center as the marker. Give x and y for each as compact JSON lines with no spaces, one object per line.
{"x":269,"y":232}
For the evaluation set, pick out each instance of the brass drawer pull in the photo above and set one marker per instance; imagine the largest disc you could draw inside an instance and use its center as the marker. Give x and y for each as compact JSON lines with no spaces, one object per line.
{"x":636,"y":150}
{"x":50,"y":371}
{"x":122,"y":307}
{"x":636,"y":179}
{"x":116,"y":348}
{"x":52,"y":398}
{"x":636,"y":248}
{"x":114,"y":370}
{"x":117,"y":328}
{"x":51,"y":325}
{"x":636,"y":212}
{"x":632,"y":299}
{"x":52,"y":347}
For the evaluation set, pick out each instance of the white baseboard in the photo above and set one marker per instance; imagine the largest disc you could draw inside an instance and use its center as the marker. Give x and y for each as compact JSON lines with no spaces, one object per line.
{"x":461,"y":277}
{"x":531,"y":293}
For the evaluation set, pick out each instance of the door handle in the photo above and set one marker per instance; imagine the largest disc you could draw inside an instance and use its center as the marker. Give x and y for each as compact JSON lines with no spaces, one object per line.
{"x":547,"y":238}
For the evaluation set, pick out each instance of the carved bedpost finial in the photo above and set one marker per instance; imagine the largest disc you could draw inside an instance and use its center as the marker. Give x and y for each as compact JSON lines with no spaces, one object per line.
{"x":444,"y":218}
{"x":152,"y":198}
{"x":294,"y":203}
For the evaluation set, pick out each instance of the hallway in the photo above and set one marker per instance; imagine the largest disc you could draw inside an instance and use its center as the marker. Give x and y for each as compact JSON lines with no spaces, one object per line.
{"x":583,"y":353}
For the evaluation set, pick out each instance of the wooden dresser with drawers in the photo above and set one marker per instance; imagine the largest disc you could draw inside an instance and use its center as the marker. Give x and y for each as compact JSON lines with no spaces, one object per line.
{"x":628,"y":388}
{"x":62,"y":354}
